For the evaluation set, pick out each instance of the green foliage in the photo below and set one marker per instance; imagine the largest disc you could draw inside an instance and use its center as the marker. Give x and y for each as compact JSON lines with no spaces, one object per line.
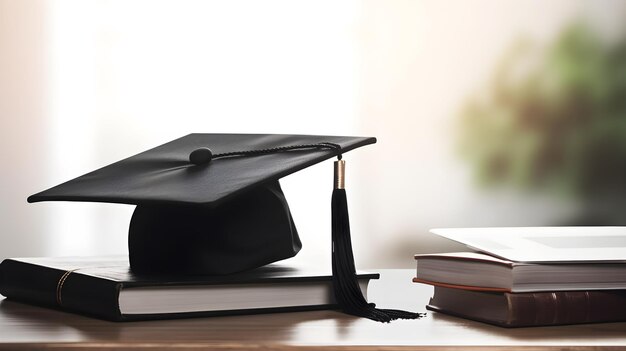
{"x":553,"y":119}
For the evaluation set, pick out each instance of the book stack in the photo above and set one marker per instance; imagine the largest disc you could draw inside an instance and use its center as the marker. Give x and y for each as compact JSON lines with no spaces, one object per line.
{"x":552,"y":276}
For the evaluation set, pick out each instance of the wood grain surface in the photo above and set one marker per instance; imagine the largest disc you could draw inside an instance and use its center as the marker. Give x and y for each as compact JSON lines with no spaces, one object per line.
{"x":24,"y":327}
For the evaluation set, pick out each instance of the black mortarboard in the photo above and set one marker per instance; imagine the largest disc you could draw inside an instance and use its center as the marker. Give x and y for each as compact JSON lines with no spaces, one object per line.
{"x":212,"y":204}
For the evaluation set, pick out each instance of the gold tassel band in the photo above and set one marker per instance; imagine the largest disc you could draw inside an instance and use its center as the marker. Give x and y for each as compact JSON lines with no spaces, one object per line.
{"x":340,"y":174}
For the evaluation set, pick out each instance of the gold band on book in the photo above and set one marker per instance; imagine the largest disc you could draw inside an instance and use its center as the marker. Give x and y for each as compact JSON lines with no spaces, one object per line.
{"x":60,"y":286}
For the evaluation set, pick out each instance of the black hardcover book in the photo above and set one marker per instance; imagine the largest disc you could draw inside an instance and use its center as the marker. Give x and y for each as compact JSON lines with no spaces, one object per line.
{"x":104,"y":287}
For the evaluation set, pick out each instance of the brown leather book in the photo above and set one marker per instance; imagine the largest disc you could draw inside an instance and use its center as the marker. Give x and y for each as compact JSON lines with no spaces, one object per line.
{"x":532,"y":308}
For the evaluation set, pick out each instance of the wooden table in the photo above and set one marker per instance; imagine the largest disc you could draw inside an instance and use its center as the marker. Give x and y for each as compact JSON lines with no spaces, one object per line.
{"x":24,"y":327}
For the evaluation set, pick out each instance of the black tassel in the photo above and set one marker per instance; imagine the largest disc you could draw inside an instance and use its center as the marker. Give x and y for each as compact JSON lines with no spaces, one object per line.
{"x":345,"y":284}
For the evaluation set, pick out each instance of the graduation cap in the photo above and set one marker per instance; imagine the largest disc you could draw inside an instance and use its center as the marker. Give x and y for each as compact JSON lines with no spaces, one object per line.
{"x":212,"y":204}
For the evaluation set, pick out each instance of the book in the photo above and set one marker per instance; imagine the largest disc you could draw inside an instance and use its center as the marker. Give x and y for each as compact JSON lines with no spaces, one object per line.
{"x":477,"y":271}
{"x":531,"y":309}
{"x":604,"y":244}
{"x":104,"y":287}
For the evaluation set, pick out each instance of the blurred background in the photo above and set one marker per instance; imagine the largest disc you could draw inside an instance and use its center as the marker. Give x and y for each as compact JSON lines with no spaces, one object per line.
{"x":487,"y":113}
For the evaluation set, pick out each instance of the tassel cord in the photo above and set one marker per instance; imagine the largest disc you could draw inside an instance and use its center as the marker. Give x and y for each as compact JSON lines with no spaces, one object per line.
{"x":345,"y":285}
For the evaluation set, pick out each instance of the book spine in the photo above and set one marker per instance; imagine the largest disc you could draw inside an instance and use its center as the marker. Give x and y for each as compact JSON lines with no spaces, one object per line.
{"x":65,"y":290}
{"x":566,"y":307}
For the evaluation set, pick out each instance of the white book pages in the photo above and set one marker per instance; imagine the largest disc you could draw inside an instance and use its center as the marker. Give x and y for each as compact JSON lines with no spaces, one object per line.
{"x":544,"y":244}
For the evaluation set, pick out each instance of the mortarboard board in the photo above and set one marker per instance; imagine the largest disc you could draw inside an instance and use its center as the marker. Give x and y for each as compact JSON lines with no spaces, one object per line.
{"x":212,"y":204}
